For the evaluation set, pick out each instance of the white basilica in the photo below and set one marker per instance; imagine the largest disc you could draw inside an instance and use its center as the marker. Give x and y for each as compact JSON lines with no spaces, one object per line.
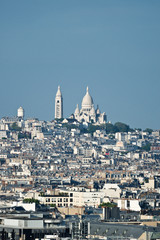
{"x":87,"y":113}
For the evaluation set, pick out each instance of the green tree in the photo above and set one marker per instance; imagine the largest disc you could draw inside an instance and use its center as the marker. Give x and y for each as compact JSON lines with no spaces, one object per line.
{"x":42,"y":194}
{"x":52,"y":205}
{"x":15,"y":127}
{"x":24,"y":135}
{"x":110,"y":128}
{"x":149,"y":130}
{"x":122,"y":127}
{"x":93,"y":128}
{"x":30,"y":200}
{"x":138,"y":129}
{"x":70,"y":126}
{"x":108,"y":204}
{"x":146,"y":147}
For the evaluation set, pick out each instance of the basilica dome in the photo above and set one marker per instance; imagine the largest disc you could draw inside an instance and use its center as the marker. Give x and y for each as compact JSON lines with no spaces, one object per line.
{"x":92,"y":112}
{"x":87,"y":101}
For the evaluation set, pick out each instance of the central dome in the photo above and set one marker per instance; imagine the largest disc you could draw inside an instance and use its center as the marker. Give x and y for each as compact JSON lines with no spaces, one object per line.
{"x":87,"y":101}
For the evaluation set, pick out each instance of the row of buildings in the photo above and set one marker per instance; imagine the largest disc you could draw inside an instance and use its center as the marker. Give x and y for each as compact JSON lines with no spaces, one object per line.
{"x":58,"y":182}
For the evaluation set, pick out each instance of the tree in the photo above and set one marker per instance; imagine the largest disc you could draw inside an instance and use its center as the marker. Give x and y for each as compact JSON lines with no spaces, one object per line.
{"x":110,"y":128}
{"x":24,"y":135}
{"x":122,"y":127}
{"x":108,"y":204}
{"x":93,"y":128}
{"x":149,"y":130}
{"x":70,"y":126}
{"x":15,"y":127}
{"x":146,"y":147}
{"x":138,"y":129}
{"x":42,"y":194}
{"x":52,"y":205}
{"x":30,"y":200}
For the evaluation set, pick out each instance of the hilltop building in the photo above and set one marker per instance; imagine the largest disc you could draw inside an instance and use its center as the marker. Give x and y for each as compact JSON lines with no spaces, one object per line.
{"x":88,"y":113}
{"x":58,"y":104}
{"x":20,"y":113}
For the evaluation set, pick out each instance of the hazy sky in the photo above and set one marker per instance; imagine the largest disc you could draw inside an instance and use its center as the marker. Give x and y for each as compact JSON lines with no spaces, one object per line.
{"x":111,"y":46}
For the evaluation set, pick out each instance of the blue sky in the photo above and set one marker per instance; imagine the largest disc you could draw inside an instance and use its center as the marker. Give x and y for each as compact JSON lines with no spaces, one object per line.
{"x":112,"y":46}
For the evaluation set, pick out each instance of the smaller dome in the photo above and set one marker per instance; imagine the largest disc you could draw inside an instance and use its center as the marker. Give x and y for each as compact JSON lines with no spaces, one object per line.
{"x":87,"y":101}
{"x":92,"y":112}
{"x":98,"y":110}
{"x":77,"y":110}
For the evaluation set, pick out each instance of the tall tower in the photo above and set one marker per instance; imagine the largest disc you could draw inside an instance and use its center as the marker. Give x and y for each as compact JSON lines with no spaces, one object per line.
{"x":59,"y":104}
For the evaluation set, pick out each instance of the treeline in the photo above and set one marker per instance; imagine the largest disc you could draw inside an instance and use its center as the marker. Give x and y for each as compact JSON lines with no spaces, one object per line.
{"x":21,"y":134}
{"x":107,"y":127}
{"x":110,"y":128}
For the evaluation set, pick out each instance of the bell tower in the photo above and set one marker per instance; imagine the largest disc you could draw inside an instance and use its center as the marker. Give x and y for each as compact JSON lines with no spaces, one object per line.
{"x":58,"y":104}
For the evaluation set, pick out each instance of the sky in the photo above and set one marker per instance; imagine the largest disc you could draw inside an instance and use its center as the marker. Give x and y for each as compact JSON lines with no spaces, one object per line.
{"x":111,"y":46}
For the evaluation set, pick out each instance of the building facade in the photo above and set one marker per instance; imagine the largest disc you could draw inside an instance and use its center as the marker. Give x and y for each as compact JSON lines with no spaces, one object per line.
{"x":88,"y":113}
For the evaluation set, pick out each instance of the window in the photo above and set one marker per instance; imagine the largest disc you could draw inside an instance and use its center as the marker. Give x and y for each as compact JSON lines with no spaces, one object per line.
{"x":128,"y":204}
{"x":124,"y":232}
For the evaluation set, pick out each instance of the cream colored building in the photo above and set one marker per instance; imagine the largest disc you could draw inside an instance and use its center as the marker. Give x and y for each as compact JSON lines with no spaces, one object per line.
{"x":111,"y":190}
{"x":87,"y":113}
{"x":58,"y":200}
{"x":72,"y":210}
{"x":89,"y":197}
{"x":129,"y":204}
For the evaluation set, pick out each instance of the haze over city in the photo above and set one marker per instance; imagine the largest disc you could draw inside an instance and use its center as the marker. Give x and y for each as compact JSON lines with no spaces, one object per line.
{"x":110,"y":46}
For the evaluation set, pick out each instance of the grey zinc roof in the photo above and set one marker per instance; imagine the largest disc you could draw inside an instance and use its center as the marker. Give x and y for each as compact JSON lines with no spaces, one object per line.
{"x":111,"y":230}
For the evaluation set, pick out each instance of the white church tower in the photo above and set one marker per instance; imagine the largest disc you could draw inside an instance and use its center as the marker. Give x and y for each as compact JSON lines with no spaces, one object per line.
{"x":59,"y":104}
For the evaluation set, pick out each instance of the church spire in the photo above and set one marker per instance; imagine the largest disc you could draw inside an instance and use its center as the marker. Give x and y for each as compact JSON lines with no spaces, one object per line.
{"x":59,"y":92}
{"x":77,"y":110}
